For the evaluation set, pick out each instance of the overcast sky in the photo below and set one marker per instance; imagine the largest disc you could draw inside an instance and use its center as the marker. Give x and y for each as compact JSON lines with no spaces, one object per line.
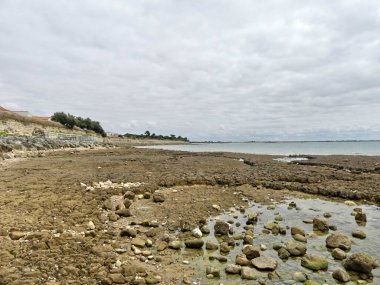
{"x":205,"y":69}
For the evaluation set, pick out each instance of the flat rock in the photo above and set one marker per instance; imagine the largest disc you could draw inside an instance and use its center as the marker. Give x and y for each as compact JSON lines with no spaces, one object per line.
{"x":314,"y":262}
{"x":295,"y":248}
{"x":139,"y":242}
{"x":264,"y":263}
{"x":194,"y":243}
{"x":338,"y":240}
{"x":248,"y":273}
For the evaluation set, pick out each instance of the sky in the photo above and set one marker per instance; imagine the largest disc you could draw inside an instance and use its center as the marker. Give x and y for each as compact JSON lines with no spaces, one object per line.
{"x":203,"y":69}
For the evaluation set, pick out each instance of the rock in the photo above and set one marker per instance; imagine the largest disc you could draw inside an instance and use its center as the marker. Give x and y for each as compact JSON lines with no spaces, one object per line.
{"x":16,"y":235}
{"x":341,"y":275}
{"x":297,"y":231}
{"x":158,"y":197}
{"x":361,"y":217}
{"x":175,"y":244}
{"x":300,"y":238}
{"x":221,"y":228}
{"x":233,"y":269}
{"x":308,"y":221}
{"x":350,"y":203}
{"x":359,"y":234}
{"x":127,"y":203}
{"x":283,"y":253}
{"x":162,"y":246}
{"x":205,"y":230}
{"x":211,"y":246}
{"x":263,"y":247}
{"x":91,"y":225}
{"x":147,"y":195}
{"x":242,"y":261}
{"x":248,"y":239}
{"x":320,"y":224}
{"x":311,"y":282}
{"x":138,"y":242}
{"x":360,"y":262}
{"x":216,"y":207}
{"x":338,"y":254}
{"x":129,"y":195}
{"x":117,"y":278}
{"x":278,"y":218}
{"x":292,"y":205}
{"x":264,"y":263}
{"x":151,"y":279}
{"x":327,"y":215}
{"x":295,"y":248}
{"x":248,"y":273}
{"x":299,"y":276}
{"x":251,"y":251}
{"x":123,"y":213}
{"x":194,"y":243}
{"x":224,"y":248}
{"x":338,"y":240}
{"x":314,"y":262}
{"x":252,"y":218}
{"x":196,"y":233}
{"x":213,"y":271}
{"x":128,"y":232}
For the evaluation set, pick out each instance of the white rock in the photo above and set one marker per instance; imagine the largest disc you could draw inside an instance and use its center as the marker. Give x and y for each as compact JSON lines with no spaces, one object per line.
{"x":197,"y":233}
{"x":91,"y":225}
{"x":216,"y":207}
{"x":82,"y":185}
{"x":350,"y":203}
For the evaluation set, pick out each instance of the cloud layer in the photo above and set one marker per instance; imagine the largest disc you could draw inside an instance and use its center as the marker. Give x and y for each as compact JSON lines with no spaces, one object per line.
{"x":215,"y":69}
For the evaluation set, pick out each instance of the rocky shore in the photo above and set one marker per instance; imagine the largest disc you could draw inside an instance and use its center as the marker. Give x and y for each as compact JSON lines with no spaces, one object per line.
{"x":133,"y":216}
{"x":29,"y":146}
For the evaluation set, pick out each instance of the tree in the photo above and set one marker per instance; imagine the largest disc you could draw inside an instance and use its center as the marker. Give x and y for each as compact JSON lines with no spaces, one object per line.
{"x":147,"y":133}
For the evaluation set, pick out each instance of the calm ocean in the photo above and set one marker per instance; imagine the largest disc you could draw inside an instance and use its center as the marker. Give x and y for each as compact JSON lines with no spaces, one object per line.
{"x":283,"y":148}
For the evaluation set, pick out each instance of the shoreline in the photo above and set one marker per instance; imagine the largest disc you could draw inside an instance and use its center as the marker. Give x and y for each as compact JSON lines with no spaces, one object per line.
{"x":48,"y":209}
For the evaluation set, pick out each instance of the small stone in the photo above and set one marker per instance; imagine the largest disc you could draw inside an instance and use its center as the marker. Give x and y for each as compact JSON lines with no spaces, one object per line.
{"x":350,"y":203}
{"x":196,"y":233}
{"x":16,"y":235}
{"x":123,"y":213}
{"x":283,"y":253}
{"x":263,"y":247}
{"x":359,"y":234}
{"x":221,"y":228}
{"x":91,"y":225}
{"x":211,"y":246}
{"x":138,"y":242}
{"x":300,"y":238}
{"x":297,"y":231}
{"x":299,"y":276}
{"x":175,"y":244}
{"x":216,"y":207}
{"x":295,"y":248}
{"x":127,"y":203}
{"x":361,"y":217}
{"x":242,"y":261}
{"x":308,"y":221}
{"x":248,"y":273}
{"x":233,"y":269}
{"x":264,"y":263}
{"x":128,"y":232}
{"x":341,"y":275}
{"x":224,"y":248}
{"x":205,"y":229}
{"x":320,"y":224}
{"x":251,"y":251}
{"x":338,"y":240}
{"x":194,"y":243}
{"x":252,"y":218}
{"x":338,"y":254}
{"x":213,"y":271}
{"x":314,"y":262}
{"x":162,"y":246}
{"x":158,"y":197}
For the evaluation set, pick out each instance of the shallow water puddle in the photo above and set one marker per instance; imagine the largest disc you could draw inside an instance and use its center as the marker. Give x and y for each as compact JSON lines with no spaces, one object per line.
{"x":306,"y":209}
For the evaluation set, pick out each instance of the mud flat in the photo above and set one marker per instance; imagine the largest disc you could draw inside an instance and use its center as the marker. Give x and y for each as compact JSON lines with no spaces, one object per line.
{"x":134,"y":216}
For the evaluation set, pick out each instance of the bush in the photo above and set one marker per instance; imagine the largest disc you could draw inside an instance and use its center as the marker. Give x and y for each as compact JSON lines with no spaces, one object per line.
{"x":71,"y":121}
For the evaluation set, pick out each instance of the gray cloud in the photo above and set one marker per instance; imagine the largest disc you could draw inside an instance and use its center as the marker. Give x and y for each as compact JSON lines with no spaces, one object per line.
{"x":222,"y":69}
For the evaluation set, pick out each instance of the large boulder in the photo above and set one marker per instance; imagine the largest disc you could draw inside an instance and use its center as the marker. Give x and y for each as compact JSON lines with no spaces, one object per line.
{"x":314,"y":262}
{"x":338,"y":240}
{"x":264,"y":263}
{"x":360,"y":262}
{"x":221,"y":228}
{"x":295,"y":248}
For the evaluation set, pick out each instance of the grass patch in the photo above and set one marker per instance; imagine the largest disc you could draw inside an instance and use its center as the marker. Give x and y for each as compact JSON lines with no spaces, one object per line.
{"x":4,"y":134}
